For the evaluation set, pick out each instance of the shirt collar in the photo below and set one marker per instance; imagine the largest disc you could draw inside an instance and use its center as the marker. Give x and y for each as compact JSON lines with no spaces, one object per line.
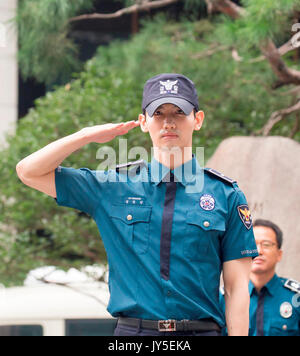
{"x":271,"y":286}
{"x":184,"y":174}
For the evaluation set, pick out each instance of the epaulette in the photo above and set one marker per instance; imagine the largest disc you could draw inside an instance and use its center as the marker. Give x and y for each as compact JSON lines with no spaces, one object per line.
{"x":219,"y":175}
{"x":129,"y":164}
{"x":292,"y":285}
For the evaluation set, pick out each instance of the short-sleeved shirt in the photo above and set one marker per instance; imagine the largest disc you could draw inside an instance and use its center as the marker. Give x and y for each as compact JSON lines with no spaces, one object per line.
{"x":165,"y":242}
{"x":279,"y":313}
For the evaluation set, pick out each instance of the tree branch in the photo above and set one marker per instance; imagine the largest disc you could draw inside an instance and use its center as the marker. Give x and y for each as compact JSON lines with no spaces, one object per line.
{"x":285,"y":48}
{"x":278,"y":116}
{"x":285,"y":74}
{"x":296,"y":127}
{"x":211,"y":51}
{"x":226,"y":7}
{"x":145,"y":6}
{"x":273,"y":54}
{"x":268,"y":48}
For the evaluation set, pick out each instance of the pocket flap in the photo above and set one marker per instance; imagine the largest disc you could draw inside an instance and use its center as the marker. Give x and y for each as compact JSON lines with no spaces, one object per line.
{"x":131,"y":214}
{"x":206,"y":221}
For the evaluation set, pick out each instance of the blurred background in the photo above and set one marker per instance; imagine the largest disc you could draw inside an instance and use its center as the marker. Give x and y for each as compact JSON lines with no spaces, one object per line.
{"x":67,"y":65}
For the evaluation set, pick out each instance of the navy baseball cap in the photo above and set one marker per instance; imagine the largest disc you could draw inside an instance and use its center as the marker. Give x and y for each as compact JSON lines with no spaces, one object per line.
{"x":170,"y":88}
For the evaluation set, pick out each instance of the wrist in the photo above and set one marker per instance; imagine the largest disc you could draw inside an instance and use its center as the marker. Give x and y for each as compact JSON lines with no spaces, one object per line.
{"x":83,"y":136}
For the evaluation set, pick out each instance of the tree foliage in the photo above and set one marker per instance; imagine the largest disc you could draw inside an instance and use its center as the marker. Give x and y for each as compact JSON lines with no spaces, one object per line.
{"x":46,"y":52}
{"x":272,"y":20}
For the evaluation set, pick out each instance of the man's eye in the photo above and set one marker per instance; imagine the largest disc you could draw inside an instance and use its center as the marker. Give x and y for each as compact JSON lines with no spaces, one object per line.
{"x":180,"y":112}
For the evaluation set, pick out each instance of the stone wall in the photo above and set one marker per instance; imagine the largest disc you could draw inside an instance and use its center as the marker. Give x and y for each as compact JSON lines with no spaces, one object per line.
{"x":267,"y":169}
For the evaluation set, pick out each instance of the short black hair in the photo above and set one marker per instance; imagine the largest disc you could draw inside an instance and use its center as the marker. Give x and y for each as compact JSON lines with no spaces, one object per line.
{"x":274,"y":227}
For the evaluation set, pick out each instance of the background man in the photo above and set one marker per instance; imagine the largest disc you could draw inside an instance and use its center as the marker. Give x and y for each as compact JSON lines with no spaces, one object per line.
{"x":274,"y":302}
{"x":165,"y":247}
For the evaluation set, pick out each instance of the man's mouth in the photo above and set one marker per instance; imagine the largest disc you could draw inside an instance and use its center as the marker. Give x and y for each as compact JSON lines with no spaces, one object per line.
{"x":169,"y":135}
{"x":259,"y":260}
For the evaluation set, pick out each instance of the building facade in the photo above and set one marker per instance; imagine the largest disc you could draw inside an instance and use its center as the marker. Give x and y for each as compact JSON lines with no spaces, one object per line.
{"x":8,"y":70}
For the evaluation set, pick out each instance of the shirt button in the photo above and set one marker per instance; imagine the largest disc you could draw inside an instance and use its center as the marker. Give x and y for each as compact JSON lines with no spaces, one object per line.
{"x":206,"y":223}
{"x":129,"y":217}
{"x":284,"y":327}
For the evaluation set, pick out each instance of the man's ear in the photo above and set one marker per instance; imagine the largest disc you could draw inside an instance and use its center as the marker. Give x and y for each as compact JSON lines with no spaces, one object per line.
{"x":199,"y":118}
{"x":143,"y":123}
{"x":279,"y":257}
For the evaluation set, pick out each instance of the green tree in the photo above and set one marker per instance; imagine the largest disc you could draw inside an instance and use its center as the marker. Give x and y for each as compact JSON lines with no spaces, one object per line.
{"x":46,"y":52}
{"x":234,"y":83}
{"x":49,"y":54}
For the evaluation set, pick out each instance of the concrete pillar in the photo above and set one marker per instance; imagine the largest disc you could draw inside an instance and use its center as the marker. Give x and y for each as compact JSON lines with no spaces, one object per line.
{"x":8,"y":70}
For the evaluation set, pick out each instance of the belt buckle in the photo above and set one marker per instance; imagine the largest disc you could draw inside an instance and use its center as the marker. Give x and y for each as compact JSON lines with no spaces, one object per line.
{"x":167,"y":325}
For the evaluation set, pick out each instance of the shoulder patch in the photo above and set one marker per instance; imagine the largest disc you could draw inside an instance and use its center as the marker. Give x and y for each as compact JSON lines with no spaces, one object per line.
{"x":219,"y":175}
{"x":245,"y":215}
{"x":128,"y":164}
{"x":292,"y":285}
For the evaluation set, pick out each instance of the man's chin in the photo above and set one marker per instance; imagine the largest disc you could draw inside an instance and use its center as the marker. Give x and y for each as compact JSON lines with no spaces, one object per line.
{"x":170,"y":147}
{"x":259,"y":269}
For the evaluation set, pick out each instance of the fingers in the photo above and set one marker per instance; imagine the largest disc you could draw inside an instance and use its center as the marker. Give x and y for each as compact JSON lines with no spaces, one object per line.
{"x":132,"y":123}
{"x":127,"y":126}
{"x":122,"y":128}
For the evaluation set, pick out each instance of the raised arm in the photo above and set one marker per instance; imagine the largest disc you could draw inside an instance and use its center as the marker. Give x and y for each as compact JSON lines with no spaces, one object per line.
{"x":38,"y":169}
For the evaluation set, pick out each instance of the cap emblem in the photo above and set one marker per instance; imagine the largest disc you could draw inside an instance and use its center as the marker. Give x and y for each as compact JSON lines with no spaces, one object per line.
{"x":169,"y":87}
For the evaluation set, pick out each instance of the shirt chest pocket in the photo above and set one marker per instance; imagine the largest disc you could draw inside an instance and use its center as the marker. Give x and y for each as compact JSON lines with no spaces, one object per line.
{"x":201,"y":229}
{"x":133,"y":225}
{"x":284,"y":327}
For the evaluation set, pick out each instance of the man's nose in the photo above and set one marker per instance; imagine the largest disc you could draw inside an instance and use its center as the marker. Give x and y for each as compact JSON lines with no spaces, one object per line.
{"x":169,"y":123}
{"x":259,"y":249}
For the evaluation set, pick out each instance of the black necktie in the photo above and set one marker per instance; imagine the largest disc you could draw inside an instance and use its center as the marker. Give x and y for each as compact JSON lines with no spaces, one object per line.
{"x":260,"y":313}
{"x":166,"y":230}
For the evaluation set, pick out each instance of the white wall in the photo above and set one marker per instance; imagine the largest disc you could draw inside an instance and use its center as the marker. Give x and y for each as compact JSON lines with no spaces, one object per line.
{"x":8,"y":70}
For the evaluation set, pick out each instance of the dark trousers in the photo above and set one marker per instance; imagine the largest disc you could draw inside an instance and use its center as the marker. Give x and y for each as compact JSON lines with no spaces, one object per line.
{"x":124,"y":330}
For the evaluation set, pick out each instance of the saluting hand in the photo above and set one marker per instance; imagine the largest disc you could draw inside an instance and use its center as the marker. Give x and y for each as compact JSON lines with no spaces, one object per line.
{"x":107,"y":132}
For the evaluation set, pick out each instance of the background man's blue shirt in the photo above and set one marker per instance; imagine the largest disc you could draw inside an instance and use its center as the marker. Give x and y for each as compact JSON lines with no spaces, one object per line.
{"x":276,"y":296}
{"x":129,"y":218}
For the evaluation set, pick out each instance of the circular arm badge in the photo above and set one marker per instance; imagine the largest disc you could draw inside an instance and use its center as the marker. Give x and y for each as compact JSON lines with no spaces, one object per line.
{"x":245,"y":215}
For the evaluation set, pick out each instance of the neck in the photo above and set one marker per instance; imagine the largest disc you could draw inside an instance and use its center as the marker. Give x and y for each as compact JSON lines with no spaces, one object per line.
{"x":259,"y":280}
{"x":173,"y":157}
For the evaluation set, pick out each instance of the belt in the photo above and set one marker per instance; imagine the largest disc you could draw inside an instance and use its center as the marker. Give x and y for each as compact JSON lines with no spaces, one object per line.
{"x":171,"y":325}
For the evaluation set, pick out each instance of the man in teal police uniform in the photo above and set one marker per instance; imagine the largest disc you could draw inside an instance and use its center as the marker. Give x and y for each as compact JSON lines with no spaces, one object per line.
{"x":275,"y":301}
{"x":168,"y":228}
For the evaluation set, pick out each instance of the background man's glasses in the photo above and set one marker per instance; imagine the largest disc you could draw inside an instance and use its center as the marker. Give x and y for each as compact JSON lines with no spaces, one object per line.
{"x":266,"y":245}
